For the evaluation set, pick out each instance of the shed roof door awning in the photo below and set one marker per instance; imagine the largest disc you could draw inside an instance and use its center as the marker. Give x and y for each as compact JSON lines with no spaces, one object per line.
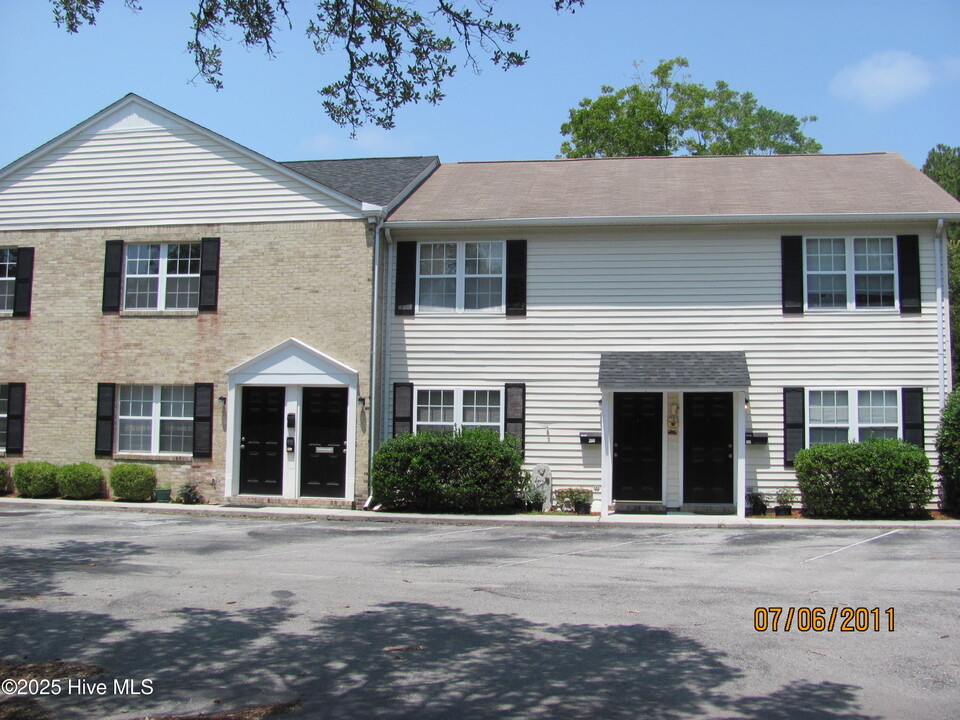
{"x":660,"y":371}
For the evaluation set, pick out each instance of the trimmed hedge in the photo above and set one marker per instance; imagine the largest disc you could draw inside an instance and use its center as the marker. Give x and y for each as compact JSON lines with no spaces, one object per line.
{"x":35,"y":479}
{"x":132,"y":482}
{"x":4,"y":478}
{"x":880,"y":478}
{"x":472,"y":471}
{"x":948,"y":445}
{"x":80,"y":481}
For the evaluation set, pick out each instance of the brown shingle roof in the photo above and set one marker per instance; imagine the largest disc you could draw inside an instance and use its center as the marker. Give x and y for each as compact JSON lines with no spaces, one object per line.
{"x":675,"y":187}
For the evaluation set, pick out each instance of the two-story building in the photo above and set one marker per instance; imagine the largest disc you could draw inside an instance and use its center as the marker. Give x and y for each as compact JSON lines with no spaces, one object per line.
{"x":670,"y":331}
{"x":169,"y":296}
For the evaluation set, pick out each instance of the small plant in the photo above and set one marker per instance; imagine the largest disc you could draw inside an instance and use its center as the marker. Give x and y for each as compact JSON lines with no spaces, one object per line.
{"x":948,"y":445}
{"x":35,"y":479}
{"x":756,"y":503}
{"x":132,"y":482}
{"x":4,"y":478}
{"x":189,"y":494}
{"x":80,"y":481}
{"x":785,"y":497}
{"x":573,"y":497}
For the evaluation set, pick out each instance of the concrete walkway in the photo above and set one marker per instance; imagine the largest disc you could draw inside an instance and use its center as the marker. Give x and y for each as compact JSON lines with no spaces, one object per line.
{"x":612,"y":520}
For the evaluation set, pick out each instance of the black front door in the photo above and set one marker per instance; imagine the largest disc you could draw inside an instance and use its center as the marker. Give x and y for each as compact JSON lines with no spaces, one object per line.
{"x":638,"y":447}
{"x":261,"y":440}
{"x":323,"y":442}
{"x":708,"y":448}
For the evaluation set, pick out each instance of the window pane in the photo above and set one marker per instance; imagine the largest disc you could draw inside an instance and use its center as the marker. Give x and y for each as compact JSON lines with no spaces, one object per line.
{"x":134,"y":435}
{"x":438,"y":293}
{"x":874,"y":290}
{"x":481,"y":407}
{"x":8,"y":271}
{"x":435,"y":410}
{"x":183,"y":293}
{"x":878,"y":407}
{"x":438,"y":259}
{"x":828,"y":407}
{"x":3,"y":432}
{"x":176,"y":436}
{"x":824,"y":436}
{"x":869,"y":433}
{"x":141,"y":293}
{"x":482,"y":293}
{"x":484,"y":258}
{"x":4,"y":399}
{"x":143,"y":259}
{"x":183,"y":259}
{"x":176,"y":401}
{"x":826,"y":255}
{"x":873,"y":254}
{"x":827,"y":291}
{"x":136,"y":401}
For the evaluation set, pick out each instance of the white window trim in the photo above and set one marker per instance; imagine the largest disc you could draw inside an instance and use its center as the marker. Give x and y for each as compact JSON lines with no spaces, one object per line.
{"x":458,"y":423}
{"x":162,"y":276}
{"x":461,"y":276}
{"x":155,"y":419}
{"x":853,"y":411}
{"x":851,"y":274}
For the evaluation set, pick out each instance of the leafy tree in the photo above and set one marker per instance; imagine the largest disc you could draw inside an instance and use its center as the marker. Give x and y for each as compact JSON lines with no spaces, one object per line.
{"x":393,"y":52}
{"x":943,"y":166}
{"x":669,"y":115}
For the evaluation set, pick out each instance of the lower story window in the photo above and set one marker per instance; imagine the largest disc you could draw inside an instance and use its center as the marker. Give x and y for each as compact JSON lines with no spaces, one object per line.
{"x":444,"y":411}
{"x":838,"y":416}
{"x":155,"y":419}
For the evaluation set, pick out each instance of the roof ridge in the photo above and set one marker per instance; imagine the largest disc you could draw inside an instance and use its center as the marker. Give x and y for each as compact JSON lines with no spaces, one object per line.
{"x":669,"y":157}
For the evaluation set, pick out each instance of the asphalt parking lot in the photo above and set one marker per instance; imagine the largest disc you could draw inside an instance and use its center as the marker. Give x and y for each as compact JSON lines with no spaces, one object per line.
{"x":362,"y":619}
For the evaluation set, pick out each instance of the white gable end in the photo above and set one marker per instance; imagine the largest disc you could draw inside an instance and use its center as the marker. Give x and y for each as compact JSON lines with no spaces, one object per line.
{"x":135,"y":164}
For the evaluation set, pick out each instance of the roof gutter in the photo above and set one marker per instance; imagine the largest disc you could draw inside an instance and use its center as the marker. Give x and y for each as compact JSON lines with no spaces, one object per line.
{"x":668,"y":220}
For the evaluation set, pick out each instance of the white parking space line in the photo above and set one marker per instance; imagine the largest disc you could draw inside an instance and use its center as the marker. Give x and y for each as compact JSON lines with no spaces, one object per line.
{"x":588,"y":550}
{"x":847,"y":547}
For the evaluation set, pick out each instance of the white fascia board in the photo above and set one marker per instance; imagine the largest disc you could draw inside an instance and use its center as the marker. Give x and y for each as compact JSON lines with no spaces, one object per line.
{"x":670,"y":220}
{"x":134,"y":99}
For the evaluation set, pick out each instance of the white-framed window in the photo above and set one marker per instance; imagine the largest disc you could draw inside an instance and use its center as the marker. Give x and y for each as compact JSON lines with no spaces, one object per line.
{"x":8,"y":277}
{"x":838,"y":416}
{"x":4,"y":405}
{"x":445,"y":410}
{"x":155,"y":419}
{"x":846,"y":273}
{"x":163,"y":276}
{"x":464,"y":276}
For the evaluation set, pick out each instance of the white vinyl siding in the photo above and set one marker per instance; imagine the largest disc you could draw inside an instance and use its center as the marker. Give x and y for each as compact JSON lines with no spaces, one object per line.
{"x":155,"y":419}
{"x":591,"y":291}
{"x":139,"y":167}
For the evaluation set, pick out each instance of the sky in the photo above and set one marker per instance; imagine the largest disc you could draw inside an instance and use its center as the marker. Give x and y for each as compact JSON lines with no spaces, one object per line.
{"x":881,"y":75}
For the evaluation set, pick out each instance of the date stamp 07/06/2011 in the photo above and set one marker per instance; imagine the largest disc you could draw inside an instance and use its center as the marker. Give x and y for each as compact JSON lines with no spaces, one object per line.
{"x":818,"y":619}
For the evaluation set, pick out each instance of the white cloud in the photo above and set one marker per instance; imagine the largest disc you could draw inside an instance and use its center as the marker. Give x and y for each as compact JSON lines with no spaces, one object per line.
{"x":891,"y":77}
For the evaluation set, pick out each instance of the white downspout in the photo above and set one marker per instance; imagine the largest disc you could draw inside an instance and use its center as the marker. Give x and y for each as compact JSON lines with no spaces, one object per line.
{"x":373,"y":428}
{"x":943,"y":325}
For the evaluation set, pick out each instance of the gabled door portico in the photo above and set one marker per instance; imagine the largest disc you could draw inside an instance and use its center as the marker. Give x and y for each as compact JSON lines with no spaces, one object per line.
{"x":291,"y":425}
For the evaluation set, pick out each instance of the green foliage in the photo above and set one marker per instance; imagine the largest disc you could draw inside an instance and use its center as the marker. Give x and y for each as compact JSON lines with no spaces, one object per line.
{"x":4,"y":478}
{"x":80,"y":481}
{"x":785,"y":497}
{"x":948,"y":445}
{"x":943,"y":167}
{"x":880,"y":478}
{"x":472,"y":471}
{"x":756,"y":503}
{"x":392,"y":53}
{"x":189,"y":494}
{"x":669,"y":115}
{"x":574,"y":495}
{"x":35,"y":479}
{"x":132,"y":482}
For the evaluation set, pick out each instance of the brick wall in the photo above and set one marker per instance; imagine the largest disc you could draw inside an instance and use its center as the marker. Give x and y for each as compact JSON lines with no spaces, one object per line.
{"x":308,"y":280}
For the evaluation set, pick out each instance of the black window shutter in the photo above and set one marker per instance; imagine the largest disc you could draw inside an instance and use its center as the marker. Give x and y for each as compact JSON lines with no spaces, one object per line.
{"x":908,"y":271}
{"x":402,"y":408}
{"x":16,"y":403}
{"x":912,"y":411}
{"x":406,"y":290}
{"x":516,"y":277}
{"x":791,"y":272}
{"x":203,"y":420}
{"x":209,"y":273}
{"x":106,"y":395}
{"x":112,"y":276}
{"x":515,"y":415}
{"x":794,"y":414}
{"x":23,"y":285}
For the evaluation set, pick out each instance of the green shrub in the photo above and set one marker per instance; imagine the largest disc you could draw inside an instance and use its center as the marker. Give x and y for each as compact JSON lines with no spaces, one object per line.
{"x":880,"y":478}
{"x":35,"y":479}
{"x":189,"y":494}
{"x":80,"y":481}
{"x":4,"y":478}
{"x":756,"y":503}
{"x":132,"y":482}
{"x":948,"y":445}
{"x":574,"y":495}
{"x":472,"y":471}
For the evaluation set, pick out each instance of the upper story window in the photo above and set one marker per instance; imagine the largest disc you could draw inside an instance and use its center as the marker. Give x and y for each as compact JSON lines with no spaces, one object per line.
{"x":839,"y":416}
{"x":155,"y":419}
{"x":848,"y":273}
{"x":460,"y":277}
{"x":8,"y":277}
{"x":162,"y":276}
{"x":443,"y":411}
